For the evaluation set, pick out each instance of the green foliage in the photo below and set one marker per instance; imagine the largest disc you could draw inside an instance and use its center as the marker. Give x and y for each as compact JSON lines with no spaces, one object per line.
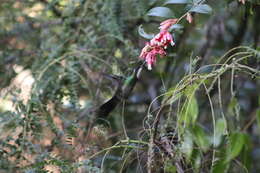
{"x":189,"y":111}
{"x":201,"y":8}
{"x":144,"y":34}
{"x":237,"y":141}
{"x":196,"y":111}
{"x":161,"y":12}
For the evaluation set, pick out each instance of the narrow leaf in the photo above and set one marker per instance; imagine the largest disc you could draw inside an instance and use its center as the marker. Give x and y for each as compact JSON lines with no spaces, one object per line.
{"x":246,"y":156}
{"x":175,"y":27}
{"x":177,"y":2}
{"x":220,"y":131}
{"x":189,"y":111}
{"x":161,"y":12}
{"x":144,"y":34}
{"x":193,"y":109}
{"x":201,"y":8}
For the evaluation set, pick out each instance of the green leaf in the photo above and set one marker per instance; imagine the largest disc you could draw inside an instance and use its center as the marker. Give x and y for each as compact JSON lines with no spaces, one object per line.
{"x":144,"y":34}
{"x":233,"y":106}
{"x":220,"y":166}
{"x":200,"y":138}
{"x":246,"y":157}
{"x":177,"y":2}
{"x":237,"y":141}
{"x":187,"y":145}
{"x":174,"y":97}
{"x":193,"y":109}
{"x":197,"y":161}
{"x":189,"y":111}
{"x":201,"y":8}
{"x":161,"y":12}
{"x":175,"y":27}
{"x":220,"y":131}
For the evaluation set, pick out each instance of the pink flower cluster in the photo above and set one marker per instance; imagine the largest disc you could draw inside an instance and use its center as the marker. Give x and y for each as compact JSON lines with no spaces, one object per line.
{"x":158,"y":44}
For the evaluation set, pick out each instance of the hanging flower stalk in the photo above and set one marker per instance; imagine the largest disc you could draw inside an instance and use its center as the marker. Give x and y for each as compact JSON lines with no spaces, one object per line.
{"x":158,"y":44}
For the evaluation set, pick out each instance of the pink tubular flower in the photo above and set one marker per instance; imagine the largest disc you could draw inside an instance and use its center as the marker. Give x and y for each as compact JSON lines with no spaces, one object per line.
{"x":162,"y":39}
{"x":165,"y":25}
{"x":147,"y":48}
{"x":149,"y":54}
{"x":189,"y":18}
{"x":158,"y":44}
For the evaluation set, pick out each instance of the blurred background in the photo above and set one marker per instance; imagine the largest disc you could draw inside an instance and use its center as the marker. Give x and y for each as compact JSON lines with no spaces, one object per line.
{"x":54,"y":58}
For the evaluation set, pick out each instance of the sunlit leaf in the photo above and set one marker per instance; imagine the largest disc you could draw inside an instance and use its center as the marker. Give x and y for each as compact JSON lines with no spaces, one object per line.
{"x":201,"y":8}
{"x":161,"y":12}
{"x":118,"y":53}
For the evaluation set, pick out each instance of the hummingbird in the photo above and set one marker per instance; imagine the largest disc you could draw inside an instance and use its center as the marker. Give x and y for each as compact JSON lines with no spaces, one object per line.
{"x":124,"y":87}
{"x":123,"y":91}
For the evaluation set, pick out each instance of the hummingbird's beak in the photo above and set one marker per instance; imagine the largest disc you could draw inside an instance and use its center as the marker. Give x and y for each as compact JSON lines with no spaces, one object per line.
{"x":139,"y":69}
